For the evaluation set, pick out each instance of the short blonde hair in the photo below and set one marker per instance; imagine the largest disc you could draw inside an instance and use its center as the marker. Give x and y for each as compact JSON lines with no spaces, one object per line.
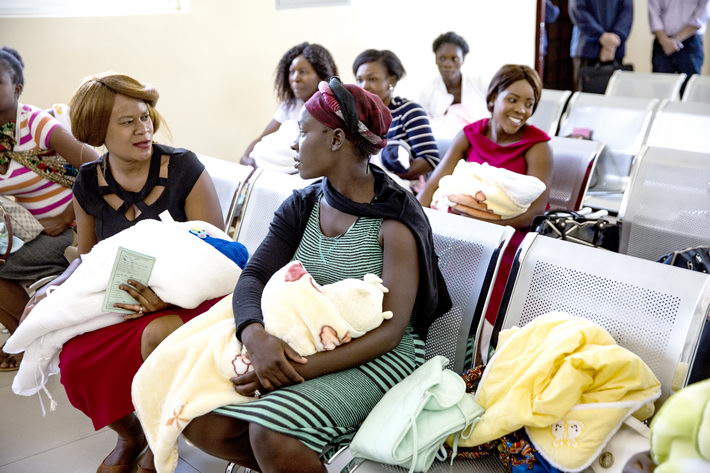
{"x":92,"y":103}
{"x":508,"y":74}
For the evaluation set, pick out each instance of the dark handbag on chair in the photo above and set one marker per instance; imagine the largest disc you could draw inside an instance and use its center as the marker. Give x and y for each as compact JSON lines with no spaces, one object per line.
{"x":694,"y":259}
{"x":574,"y":227}
{"x":595,"y":78}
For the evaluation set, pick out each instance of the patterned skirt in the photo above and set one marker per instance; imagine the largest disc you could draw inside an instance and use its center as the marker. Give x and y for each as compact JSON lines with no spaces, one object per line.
{"x":325,"y":412}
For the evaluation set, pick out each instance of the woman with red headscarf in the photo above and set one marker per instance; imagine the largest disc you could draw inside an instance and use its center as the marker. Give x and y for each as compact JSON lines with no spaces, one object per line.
{"x":355,"y":220}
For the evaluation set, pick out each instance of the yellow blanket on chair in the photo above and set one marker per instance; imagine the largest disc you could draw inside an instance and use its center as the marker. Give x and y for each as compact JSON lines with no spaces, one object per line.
{"x":188,"y":375}
{"x":567,"y":382}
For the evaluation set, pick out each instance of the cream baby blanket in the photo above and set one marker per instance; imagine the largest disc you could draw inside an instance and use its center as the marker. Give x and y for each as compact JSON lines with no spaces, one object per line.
{"x":567,"y":382}
{"x":188,"y":375}
{"x":75,"y":307}
{"x":507,"y":193}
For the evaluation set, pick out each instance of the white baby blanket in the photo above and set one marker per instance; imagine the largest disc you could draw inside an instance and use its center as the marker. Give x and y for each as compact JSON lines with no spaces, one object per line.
{"x":508,"y":193}
{"x":186,"y":272}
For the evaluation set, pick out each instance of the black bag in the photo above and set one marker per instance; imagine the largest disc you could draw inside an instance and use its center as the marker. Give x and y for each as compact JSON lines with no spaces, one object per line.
{"x":694,"y":259}
{"x":595,"y":78}
{"x":571,"y":226}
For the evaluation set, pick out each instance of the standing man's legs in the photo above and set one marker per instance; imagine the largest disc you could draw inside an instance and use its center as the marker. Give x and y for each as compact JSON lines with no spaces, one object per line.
{"x":659,"y":61}
{"x":690,"y":59}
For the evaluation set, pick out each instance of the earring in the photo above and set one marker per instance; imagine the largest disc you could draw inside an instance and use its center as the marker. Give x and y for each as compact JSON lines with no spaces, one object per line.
{"x":391,"y":87}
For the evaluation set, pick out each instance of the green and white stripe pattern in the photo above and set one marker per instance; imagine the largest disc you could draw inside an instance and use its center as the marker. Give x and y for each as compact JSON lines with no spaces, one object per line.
{"x":326,"y":412}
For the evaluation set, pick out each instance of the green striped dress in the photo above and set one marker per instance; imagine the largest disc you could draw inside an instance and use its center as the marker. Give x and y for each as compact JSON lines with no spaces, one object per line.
{"x":324,"y":413}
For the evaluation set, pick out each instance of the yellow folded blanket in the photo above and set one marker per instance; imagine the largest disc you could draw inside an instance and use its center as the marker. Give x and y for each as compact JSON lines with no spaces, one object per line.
{"x":188,"y":374}
{"x":567,"y":382}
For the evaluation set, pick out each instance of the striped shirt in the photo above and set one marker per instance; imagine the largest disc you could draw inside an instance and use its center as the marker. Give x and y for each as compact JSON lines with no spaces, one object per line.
{"x":43,"y":198}
{"x":410,"y":123}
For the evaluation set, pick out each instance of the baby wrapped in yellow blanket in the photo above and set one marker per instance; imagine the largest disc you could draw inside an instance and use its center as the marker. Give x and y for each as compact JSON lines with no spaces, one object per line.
{"x":188,"y":374}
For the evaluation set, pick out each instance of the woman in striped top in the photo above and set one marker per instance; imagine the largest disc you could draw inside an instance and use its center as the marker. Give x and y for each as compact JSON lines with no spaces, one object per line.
{"x":411,"y":151}
{"x":26,"y":130}
{"x":354,"y":221}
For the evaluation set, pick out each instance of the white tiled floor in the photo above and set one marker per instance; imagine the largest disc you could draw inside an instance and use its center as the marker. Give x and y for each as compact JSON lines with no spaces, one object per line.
{"x":64,"y":441}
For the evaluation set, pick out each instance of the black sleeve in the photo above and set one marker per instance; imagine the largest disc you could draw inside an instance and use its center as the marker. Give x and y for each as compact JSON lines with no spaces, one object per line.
{"x":189,"y":168}
{"x":86,"y":188}
{"x":273,"y":253}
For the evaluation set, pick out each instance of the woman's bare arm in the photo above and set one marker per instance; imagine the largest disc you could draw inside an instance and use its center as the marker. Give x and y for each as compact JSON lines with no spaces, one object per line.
{"x":457,"y":151}
{"x":203,"y":204}
{"x":71,"y":149}
{"x":271,"y":127}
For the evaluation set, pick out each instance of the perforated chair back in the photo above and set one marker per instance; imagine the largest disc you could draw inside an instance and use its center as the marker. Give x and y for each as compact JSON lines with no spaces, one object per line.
{"x":549,"y":110}
{"x":653,"y":85}
{"x":681,"y":125}
{"x":621,"y":124}
{"x":657,"y":311}
{"x":267,"y":190}
{"x":667,"y":205}
{"x":228,"y":178}
{"x":469,"y":254}
{"x":573,"y":165}
{"x":697,"y":89}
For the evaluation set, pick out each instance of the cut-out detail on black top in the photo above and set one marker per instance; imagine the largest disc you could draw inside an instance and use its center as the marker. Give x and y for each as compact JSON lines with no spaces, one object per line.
{"x":184,"y":169}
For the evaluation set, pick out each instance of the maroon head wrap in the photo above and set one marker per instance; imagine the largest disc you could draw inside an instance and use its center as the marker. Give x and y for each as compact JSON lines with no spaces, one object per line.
{"x":373,"y":117}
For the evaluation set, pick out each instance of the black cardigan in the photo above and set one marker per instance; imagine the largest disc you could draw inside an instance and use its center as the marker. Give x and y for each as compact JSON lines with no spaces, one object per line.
{"x":391,"y":202}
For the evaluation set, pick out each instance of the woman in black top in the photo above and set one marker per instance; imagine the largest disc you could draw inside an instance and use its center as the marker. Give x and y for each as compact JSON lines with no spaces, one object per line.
{"x":136,"y":180}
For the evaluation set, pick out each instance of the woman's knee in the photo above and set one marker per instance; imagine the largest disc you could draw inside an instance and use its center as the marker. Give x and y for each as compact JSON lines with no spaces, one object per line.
{"x":279,"y":452}
{"x":157,"y":331}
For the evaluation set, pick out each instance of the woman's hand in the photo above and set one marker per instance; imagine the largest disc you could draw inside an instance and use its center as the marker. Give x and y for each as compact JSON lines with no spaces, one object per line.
{"x":418,"y":167}
{"x":148,"y":301}
{"x":248,"y":384}
{"x":271,"y":359}
{"x":247,"y":161}
{"x":54,"y":226}
{"x":474,"y":207}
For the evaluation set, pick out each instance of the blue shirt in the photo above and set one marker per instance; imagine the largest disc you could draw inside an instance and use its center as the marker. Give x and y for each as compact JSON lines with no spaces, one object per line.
{"x":592,"y":18}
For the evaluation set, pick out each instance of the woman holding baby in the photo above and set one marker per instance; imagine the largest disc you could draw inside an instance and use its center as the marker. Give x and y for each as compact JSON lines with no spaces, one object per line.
{"x":504,"y":140}
{"x":354,"y":221}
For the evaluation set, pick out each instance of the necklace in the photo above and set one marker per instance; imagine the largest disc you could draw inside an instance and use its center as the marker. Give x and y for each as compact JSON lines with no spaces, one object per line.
{"x":7,"y":141}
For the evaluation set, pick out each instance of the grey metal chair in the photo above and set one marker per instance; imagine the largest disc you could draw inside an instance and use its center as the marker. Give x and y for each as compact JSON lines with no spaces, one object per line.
{"x":653,"y":85}
{"x":697,"y":89}
{"x":573,"y":165}
{"x":266,"y":191}
{"x":655,"y":310}
{"x":549,"y":110}
{"x":667,"y":206}
{"x":621,"y":124}
{"x":681,"y":125}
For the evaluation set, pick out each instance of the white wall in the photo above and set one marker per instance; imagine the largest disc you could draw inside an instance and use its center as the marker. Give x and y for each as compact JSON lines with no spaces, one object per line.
{"x":640,"y":42}
{"x":214,"y":65}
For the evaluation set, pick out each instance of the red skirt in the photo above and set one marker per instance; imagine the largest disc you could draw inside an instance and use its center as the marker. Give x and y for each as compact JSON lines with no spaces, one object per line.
{"x":97,"y":368}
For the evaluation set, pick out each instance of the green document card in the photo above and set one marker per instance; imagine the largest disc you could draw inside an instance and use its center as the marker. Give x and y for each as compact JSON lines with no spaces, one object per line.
{"x":128,"y":264}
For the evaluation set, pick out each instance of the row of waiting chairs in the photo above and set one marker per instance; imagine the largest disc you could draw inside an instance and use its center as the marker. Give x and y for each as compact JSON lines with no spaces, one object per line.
{"x":655,"y":310}
{"x":659,"y":85}
{"x":623,"y":125}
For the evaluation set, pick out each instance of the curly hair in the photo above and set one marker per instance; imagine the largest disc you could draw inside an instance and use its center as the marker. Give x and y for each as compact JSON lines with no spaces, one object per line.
{"x":386,"y":57}
{"x":508,"y":74}
{"x":90,"y":107}
{"x":11,"y":61}
{"x":319,"y":58}
{"x":453,"y":38}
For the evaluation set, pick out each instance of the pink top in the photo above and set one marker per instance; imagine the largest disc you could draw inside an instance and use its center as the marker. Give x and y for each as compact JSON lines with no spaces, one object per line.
{"x":510,"y":157}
